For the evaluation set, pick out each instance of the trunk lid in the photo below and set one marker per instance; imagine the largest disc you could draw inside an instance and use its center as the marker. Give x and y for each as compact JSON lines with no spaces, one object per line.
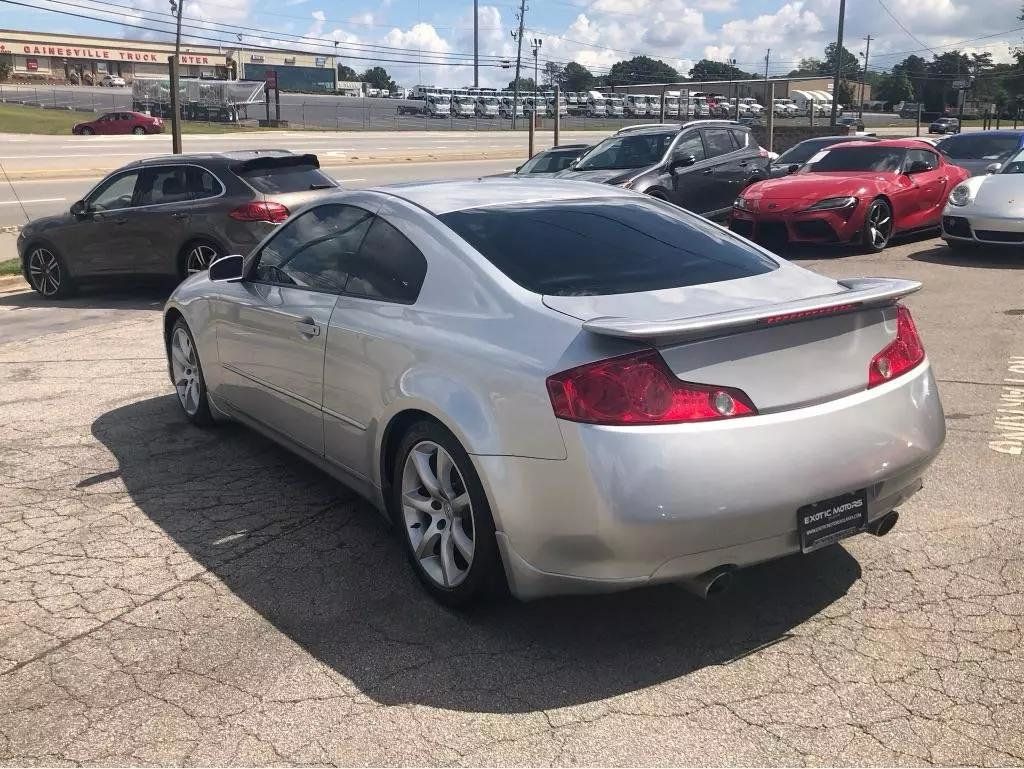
{"x":788,"y":338}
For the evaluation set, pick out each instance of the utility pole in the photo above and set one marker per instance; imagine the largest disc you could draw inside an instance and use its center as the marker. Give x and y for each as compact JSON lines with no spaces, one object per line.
{"x":839,"y":65}
{"x":864,"y":76}
{"x":476,"y":44}
{"x":518,"y":37}
{"x":537,"y":42}
{"x":767,"y":104}
{"x":176,"y":8}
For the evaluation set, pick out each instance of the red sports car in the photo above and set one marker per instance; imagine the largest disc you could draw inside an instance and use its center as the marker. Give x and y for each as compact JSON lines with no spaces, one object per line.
{"x":120,"y":123}
{"x":851,"y":192}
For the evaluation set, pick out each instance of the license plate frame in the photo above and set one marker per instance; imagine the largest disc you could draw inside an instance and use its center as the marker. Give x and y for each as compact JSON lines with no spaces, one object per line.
{"x":828,"y":521}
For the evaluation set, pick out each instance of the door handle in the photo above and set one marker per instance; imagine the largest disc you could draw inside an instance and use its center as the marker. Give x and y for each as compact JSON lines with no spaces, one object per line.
{"x":745,"y":163}
{"x":708,"y":171}
{"x":307,"y":327}
{"x":942,"y":179}
{"x":179,"y":215}
{"x":120,"y":220}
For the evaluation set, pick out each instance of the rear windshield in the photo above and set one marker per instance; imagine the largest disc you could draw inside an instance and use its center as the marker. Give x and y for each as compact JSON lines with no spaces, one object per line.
{"x":550,"y":162}
{"x":630,"y":151}
{"x":286,"y":179}
{"x":615,"y":246}
{"x":880,"y":159}
{"x":968,"y":147}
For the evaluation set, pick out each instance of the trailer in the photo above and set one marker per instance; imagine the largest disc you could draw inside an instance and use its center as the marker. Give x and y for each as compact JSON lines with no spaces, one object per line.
{"x":211,"y":101}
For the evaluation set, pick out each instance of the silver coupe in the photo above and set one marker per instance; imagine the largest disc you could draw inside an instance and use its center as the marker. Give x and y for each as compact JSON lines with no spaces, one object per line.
{"x":987,"y":210}
{"x":563,"y":387}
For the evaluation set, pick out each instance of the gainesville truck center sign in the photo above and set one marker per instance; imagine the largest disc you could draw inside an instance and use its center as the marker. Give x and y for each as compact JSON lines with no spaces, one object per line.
{"x":70,"y":51}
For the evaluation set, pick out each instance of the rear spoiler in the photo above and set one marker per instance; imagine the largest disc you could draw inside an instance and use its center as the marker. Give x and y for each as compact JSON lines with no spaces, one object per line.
{"x":275,"y":161}
{"x":859,"y":293}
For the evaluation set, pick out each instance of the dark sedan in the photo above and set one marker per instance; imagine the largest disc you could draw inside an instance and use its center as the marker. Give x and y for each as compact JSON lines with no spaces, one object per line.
{"x":550,"y":161}
{"x":168,"y":216}
{"x":945,"y":125}
{"x":120,"y":123}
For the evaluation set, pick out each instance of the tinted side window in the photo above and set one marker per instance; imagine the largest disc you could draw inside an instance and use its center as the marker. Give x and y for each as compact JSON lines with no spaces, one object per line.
{"x":288,"y":178}
{"x":922,"y":156}
{"x":315,"y":249}
{"x":388,"y":267}
{"x":202,"y":184}
{"x":719,"y":141}
{"x":991,"y":147}
{"x":116,"y":192}
{"x":164,"y":184}
{"x":690,"y":145}
{"x":742,"y":138}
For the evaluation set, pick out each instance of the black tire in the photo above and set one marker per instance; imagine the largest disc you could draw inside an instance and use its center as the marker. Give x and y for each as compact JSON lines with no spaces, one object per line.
{"x":201,"y":416}
{"x":47,"y":273}
{"x":86,"y":131}
{"x":878,"y":226}
{"x":138,"y":130}
{"x":485,"y":578}
{"x":189,"y":262}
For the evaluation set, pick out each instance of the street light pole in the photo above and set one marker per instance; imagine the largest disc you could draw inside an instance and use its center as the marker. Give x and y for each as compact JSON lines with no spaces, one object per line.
{"x":864,"y":76}
{"x":537,"y":42}
{"x":176,"y":8}
{"x":518,"y":37}
{"x":476,"y":44}
{"x":838,"y":64}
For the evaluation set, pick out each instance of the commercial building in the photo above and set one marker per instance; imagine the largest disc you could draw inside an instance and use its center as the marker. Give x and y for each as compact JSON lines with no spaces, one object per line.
{"x":42,"y":56}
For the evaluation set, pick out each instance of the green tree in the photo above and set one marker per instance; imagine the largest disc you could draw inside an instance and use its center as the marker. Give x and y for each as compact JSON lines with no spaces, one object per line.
{"x":850,"y":64}
{"x":641,"y":69}
{"x":808,"y":66}
{"x":347,"y":74}
{"x":916,"y":70}
{"x":845,"y":93}
{"x":577,"y":77}
{"x":553,"y":74}
{"x":943,"y":70}
{"x":525,"y":84}
{"x":378,"y":77}
{"x":6,"y":66}
{"x":894,"y":88}
{"x":706,"y":69}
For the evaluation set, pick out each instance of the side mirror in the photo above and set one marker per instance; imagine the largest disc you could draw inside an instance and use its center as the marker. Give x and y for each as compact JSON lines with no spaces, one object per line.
{"x":993,"y":168}
{"x":227,"y":269}
{"x":792,"y":168}
{"x":79,"y":210}
{"x":680,"y":162}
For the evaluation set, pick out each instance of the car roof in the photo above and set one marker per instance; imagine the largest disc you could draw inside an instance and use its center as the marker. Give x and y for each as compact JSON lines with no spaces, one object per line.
{"x":906,"y":144}
{"x":209,"y":157}
{"x":445,"y":197}
{"x":994,"y":132}
{"x":561,"y":147}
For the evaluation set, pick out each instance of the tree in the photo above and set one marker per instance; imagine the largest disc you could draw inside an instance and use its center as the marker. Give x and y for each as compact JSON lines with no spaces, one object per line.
{"x":846,"y":59}
{"x":808,"y":66}
{"x":378,"y":77}
{"x":916,"y":70}
{"x":942,"y":71}
{"x":6,"y":66}
{"x":894,"y":88}
{"x":577,"y":77}
{"x":641,"y":69}
{"x":553,"y":74}
{"x":845,"y":93}
{"x":347,"y":74}
{"x":706,"y":69}
{"x":525,"y":84}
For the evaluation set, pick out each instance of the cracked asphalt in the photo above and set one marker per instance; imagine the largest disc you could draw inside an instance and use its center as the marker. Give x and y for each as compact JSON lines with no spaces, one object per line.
{"x":175,"y":596}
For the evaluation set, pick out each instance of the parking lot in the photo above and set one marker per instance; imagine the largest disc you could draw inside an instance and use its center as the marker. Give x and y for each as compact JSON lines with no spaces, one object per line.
{"x":179,"y":596}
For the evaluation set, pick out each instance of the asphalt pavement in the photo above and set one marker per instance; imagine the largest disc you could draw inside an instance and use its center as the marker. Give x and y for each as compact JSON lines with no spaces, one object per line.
{"x":171,"y":595}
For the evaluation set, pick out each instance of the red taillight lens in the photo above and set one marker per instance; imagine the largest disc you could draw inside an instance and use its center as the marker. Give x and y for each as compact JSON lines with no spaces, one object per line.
{"x":639,"y":390}
{"x":260,"y":211}
{"x":902,"y":354}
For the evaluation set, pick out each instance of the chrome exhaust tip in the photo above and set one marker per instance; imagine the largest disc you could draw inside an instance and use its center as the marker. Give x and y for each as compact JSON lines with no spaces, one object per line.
{"x":711,"y":583}
{"x":884,"y":525}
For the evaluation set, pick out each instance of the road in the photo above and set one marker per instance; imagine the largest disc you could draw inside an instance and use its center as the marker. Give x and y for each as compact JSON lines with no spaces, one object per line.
{"x":179,"y":596}
{"x":53,"y":196}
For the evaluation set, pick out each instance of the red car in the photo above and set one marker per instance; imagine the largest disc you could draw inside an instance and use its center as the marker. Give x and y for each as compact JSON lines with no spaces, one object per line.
{"x":849,"y":193}
{"x":120,"y":123}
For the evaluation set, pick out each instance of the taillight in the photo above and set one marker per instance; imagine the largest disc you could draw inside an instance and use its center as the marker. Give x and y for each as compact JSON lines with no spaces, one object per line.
{"x":639,"y":390}
{"x":260,"y":211}
{"x":901,"y":355}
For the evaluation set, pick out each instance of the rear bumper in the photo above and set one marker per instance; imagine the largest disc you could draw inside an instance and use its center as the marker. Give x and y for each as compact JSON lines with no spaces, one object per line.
{"x":631,"y":506}
{"x":799,"y":227}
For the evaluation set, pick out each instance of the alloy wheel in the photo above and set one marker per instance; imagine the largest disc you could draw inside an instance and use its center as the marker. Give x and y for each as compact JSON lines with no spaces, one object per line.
{"x":44,"y":271}
{"x":438,"y":514}
{"x":879,"y":224}
{"x":185,"y":368}
{"x":199,"y":258}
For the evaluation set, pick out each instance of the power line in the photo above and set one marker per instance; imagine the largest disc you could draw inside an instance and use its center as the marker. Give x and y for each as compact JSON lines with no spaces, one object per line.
{"x":901,"y":26}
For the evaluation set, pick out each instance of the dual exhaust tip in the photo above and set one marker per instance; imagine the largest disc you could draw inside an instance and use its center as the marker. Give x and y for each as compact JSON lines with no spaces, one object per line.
{"x":719,"y":579}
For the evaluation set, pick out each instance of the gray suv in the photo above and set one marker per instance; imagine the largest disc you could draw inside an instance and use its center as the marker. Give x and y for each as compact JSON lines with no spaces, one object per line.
{"x":701,"y":165}
{"x":168,"y":216}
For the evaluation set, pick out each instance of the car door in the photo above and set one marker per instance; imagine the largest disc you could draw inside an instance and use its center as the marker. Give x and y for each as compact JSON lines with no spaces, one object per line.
{"x":104,"y":239}
{"x":930,"y":184}
{"x":728,"y":176}
{"x":122,"y":123}
{"x":271,"y":343}
{"x":161,"y":217}
{"x":690,"y":184}
{"x":384,"y":280}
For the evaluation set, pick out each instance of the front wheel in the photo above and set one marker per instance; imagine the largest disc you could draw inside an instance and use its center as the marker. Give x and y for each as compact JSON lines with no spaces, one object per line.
{"x":138,"y":130}
{"x":187,"y":372}
{"x":86,"y":132}
{"x":47,"y":274}
{"x":877,"y":226}
{"x":198,"y":257}
{"x":441,"y":509}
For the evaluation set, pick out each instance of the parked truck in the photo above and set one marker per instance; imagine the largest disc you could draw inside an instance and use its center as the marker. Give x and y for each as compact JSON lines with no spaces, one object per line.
{"x":463,"y":105}
{"x":487,"y":106}
{"x":635,"y":105}
{"x":597,"y":105}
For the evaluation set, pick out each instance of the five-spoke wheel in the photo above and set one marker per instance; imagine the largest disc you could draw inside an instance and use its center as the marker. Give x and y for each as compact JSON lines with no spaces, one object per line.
{"x":188,"y":375}
{"x":46,"y":273}
{"x":199,"y":256}
{"x":878,"y":225}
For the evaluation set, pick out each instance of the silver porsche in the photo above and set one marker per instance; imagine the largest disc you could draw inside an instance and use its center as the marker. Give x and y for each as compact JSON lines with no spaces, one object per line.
{"x":561,"y":387}
{"x":987,"y":210}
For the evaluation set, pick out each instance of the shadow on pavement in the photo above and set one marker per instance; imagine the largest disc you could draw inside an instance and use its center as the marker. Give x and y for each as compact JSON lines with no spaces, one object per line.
{"x":125,"y":294}
{"x":321,"y":566}
{"x":1009,"y":258}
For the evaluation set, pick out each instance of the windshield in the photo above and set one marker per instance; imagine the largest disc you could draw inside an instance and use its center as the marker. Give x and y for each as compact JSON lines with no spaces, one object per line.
{"x":979,"y":147}
{"x":587,"y":248}
{"x":550,"y":162}
{"x":490,"y":101}
{"x":621,"y":152}
{"x":1015,"y":165}
{"x":801,"y":152}
{"x":878,"y":159}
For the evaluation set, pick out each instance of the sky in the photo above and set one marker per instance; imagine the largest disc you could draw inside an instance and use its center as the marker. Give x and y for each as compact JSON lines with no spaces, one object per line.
{"x":431,"y":41}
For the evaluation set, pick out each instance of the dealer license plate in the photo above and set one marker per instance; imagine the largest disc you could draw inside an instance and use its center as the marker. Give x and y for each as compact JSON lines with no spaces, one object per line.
{"x":822,"y":523}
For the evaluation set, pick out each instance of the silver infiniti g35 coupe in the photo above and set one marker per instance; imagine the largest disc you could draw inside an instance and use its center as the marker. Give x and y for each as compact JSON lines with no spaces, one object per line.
{"x":564,"y":387}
